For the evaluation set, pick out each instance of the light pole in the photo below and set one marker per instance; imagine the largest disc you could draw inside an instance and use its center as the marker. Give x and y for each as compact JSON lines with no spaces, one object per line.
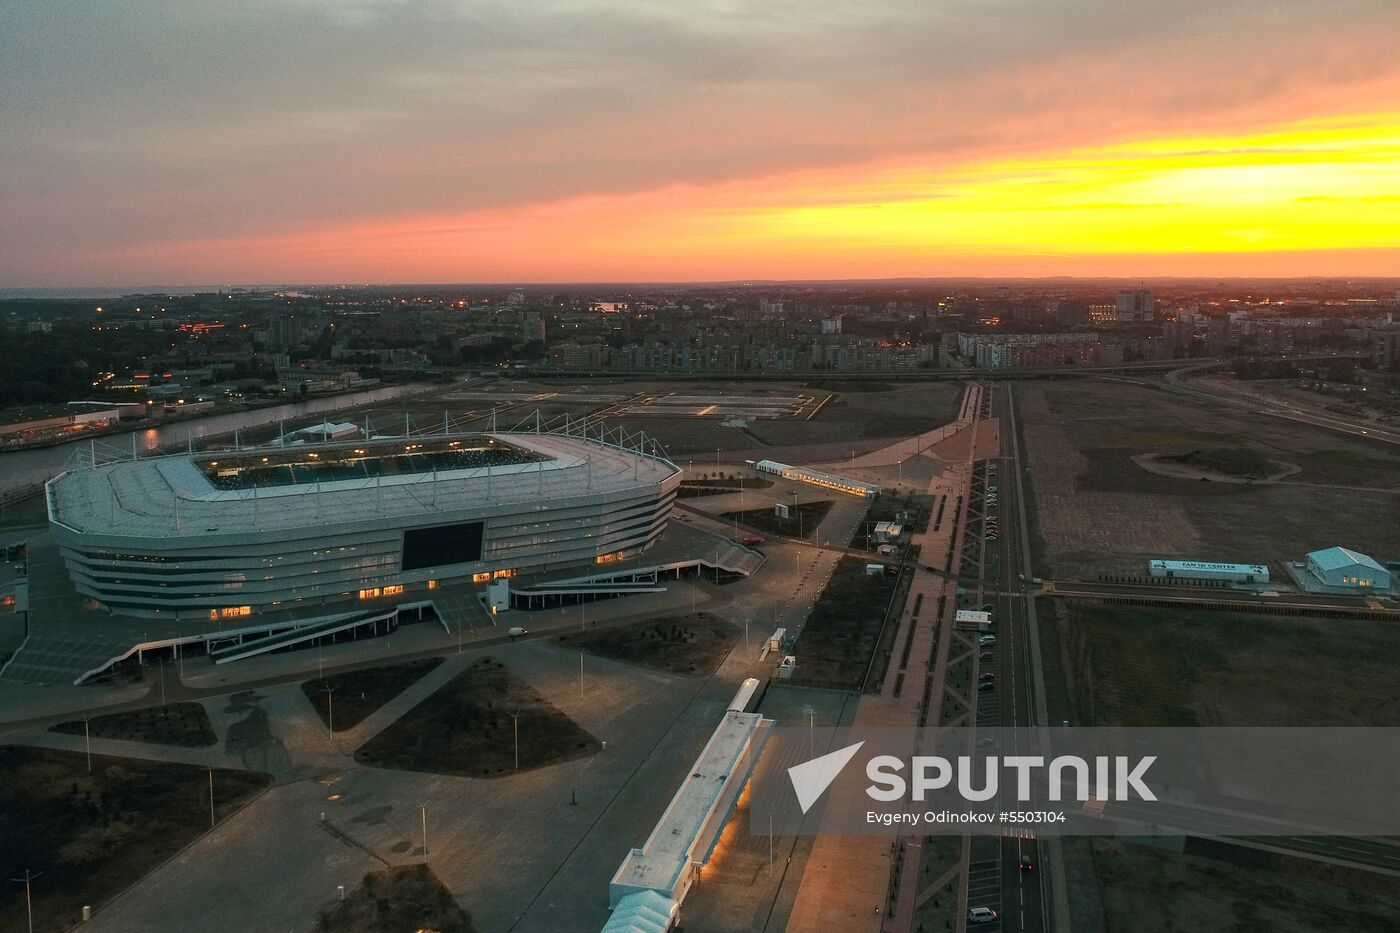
{"x":330,"y":710}
{"x":162,"y":683}
{"x":423,"y":809}
{"x":211,"y":798}
{"x":87,"y":741}
{"x":28,"y":903}
{"x":515,"y":717}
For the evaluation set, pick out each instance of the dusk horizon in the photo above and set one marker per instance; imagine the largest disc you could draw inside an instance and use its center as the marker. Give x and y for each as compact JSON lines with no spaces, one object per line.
{"x":635,"y":142}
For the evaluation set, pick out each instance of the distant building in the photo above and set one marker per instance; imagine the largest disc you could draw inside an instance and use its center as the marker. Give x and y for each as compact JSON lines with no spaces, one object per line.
{"x":1385,"y":348}
{"x":1134,"y":306}
{"x":1340,"y":566}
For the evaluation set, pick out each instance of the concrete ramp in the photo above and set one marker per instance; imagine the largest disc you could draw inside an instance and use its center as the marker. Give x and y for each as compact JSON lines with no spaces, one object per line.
{"x":60,"y":660}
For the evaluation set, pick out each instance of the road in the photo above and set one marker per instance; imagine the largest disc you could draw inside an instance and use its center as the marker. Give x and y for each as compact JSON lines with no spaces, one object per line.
{"x":995,"y":878}
{"x":1177,"y":381}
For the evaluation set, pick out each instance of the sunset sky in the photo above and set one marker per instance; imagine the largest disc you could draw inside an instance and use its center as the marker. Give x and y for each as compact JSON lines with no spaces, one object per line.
{"x":250,"y":141}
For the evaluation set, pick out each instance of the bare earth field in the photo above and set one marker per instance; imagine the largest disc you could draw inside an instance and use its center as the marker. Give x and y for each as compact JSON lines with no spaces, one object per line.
{"x":1099,"y":512}
{"x":94,"y":833}
{"x":1149,"y":889}
{"x":407,"y":898}
{"x":471,"y":727}
{"x":1140,"y":666}
{"x":689,"y":645}
{"x":1171,"y":667}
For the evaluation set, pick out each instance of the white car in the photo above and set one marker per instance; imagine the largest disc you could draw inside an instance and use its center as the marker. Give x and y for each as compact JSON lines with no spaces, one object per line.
{"x":987,"y":640}
{"x":981,"y":915}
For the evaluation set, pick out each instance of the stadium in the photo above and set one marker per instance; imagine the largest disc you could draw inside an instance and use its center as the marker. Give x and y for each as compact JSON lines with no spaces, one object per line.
{"x":221,"y":535}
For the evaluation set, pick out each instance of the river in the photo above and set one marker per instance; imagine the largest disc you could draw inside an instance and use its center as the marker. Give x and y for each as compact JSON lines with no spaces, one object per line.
{"x":23,"y":469}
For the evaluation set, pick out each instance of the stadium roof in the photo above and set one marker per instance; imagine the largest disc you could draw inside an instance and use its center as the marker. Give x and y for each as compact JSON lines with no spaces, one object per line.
{"x":1335,"y":558}
{"x":172,"y":497}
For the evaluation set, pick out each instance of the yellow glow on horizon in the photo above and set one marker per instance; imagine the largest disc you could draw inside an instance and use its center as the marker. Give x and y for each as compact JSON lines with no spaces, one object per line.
{"x":1296,"y":199}
{"x":1325,"y":186}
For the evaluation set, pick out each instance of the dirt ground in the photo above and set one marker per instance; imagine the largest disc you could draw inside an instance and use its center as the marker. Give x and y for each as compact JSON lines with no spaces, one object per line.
{"x":1098,"y":512}
{"x":185,"y":724}
{"x":93,"y":834}
{"x":1149,"y":889}
{"x":468,"y":727}
{"x":403,"y":899}
{"x":356,"y":694}
{"x":1139,"y":666}
{"x":689,"y":645}
{"x":839,"y":638}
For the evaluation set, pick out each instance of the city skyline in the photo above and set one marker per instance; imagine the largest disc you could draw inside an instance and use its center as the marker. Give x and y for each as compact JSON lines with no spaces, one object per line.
{"x":455,"y":142}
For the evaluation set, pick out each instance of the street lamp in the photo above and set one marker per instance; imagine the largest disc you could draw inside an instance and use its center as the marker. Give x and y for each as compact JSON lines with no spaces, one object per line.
{"x":330,"y":710}
{"x":423,"y":809}
{"x":516,"y":718}
{"x":28,"y":902}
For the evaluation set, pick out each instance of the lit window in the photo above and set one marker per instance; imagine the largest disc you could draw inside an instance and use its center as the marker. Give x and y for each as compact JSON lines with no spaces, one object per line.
{"x":393,"y":590}
{"x":432,"y":584}
{"x":500,"y":574}
{"x":481,"y":577}
{"x":369,"y":593}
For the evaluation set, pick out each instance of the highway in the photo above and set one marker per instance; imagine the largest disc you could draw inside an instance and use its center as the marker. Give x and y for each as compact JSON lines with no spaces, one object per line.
{"x":995,"y":876}
{"x":1176,"y":381}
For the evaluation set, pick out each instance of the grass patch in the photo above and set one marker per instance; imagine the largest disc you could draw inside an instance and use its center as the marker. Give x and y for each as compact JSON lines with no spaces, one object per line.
{"x":94,"y":834}
{"x":404,"y":899}
{"x":691,"y":645}
{"x":183,"y":724}
{"x":1240,"y":462}
{"x":465,"y":727}
{"x":357,"y":694}
{"x":802,"y":521}
{"x":839,"y":638}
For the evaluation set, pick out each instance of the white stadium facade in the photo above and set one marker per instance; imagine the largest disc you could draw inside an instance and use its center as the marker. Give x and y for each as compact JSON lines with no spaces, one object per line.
{"x":223,"y":534}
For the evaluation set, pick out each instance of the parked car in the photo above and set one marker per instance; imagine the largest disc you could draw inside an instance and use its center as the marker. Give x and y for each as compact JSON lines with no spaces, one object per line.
{"x":981,"y":915}
{"x":987,"y":640}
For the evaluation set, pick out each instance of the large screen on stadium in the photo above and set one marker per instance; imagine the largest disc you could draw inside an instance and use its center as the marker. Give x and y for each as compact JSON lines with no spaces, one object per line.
{"x":441,"y":545}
